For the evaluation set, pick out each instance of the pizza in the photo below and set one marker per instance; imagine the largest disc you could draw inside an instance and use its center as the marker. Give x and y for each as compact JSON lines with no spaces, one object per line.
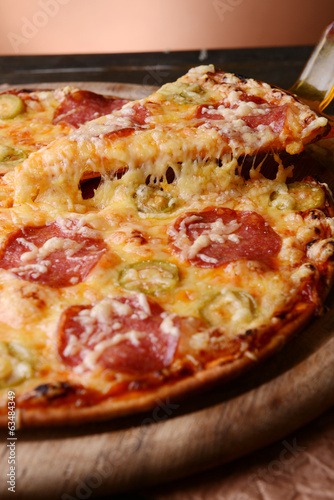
{"x":141,"y":260}
{"x":31,"y":119}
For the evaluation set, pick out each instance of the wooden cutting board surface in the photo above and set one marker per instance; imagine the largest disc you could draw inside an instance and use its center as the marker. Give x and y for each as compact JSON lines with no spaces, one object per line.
{"x":178,"y":438}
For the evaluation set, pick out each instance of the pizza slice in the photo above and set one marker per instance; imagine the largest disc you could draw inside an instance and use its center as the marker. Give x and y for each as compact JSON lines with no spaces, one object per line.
{"x":137,"y":263}
{"x":206,"y":116}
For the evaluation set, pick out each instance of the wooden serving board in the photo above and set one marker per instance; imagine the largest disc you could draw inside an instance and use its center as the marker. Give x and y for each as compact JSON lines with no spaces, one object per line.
{"x":181,"y":437}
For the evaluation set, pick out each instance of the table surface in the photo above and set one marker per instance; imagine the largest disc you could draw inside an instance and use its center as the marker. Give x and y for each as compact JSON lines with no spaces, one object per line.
{"x":300,"y":466}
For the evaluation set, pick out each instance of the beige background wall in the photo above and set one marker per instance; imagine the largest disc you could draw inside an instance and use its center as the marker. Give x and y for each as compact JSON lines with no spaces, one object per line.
{"x":106,"y":26}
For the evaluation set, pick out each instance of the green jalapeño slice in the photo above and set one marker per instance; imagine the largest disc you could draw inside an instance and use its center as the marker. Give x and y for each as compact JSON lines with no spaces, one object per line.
{"x":10,"y":157}
{"x":149,"y":276}
{"x":15,"y":364}
{"x":229,"y":306}
{"x":300,"y":196}
{"x":306,"y":196}
{"x":10,"y":106}
{"x":152,"y":200}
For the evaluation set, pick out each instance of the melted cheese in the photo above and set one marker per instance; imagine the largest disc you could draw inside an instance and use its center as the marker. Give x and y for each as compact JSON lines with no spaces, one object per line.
{"x":215,"y":232}
{"x":168,"y":326}
{"x":33,"y":129}
{"x":52,"y":245}
{"x":91,"y":358}
{"x":15,"y":364}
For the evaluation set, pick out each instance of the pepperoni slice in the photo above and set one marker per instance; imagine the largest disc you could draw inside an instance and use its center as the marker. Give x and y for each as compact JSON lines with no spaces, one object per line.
{"x":203,"y":111}
{"x":54,"y":255}
{"x":137,"y":118}
{"x":220,"y":235}
{"x":141,"y":113}
{"x":251,"y":98}
{"x":128,"y":334}
{"x":275,"y":116}
{"x":122,"y":132}
{"x":82,"y":106}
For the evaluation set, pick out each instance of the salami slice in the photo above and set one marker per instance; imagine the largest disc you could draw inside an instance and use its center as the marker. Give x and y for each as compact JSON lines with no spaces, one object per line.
{"x":53,"y":255}
{"x":273,"y":116}
{"x":82,"y":106}
{"x":141,"y":114}
{"x":128,"y":334}
{"x":220,"y":235}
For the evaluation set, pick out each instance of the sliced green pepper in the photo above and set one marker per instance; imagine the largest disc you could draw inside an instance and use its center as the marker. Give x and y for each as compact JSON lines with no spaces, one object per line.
{"x":307,"y":196}
{"x":11,"y":156}
{"x":15,"y":364}
{"x":149,"y":276}
{"x":11,"y":105}
{"x":300,"y":196}
{"x":183,"y":93}
{"x":229,"y":305}
{"x":153,"y":200}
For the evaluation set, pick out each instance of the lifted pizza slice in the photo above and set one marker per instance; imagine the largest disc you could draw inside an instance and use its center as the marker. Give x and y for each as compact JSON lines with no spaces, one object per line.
{"x":206,"y":117}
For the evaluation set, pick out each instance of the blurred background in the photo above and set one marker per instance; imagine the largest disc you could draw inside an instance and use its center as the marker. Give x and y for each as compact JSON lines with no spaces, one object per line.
{"x":115,"y":26}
